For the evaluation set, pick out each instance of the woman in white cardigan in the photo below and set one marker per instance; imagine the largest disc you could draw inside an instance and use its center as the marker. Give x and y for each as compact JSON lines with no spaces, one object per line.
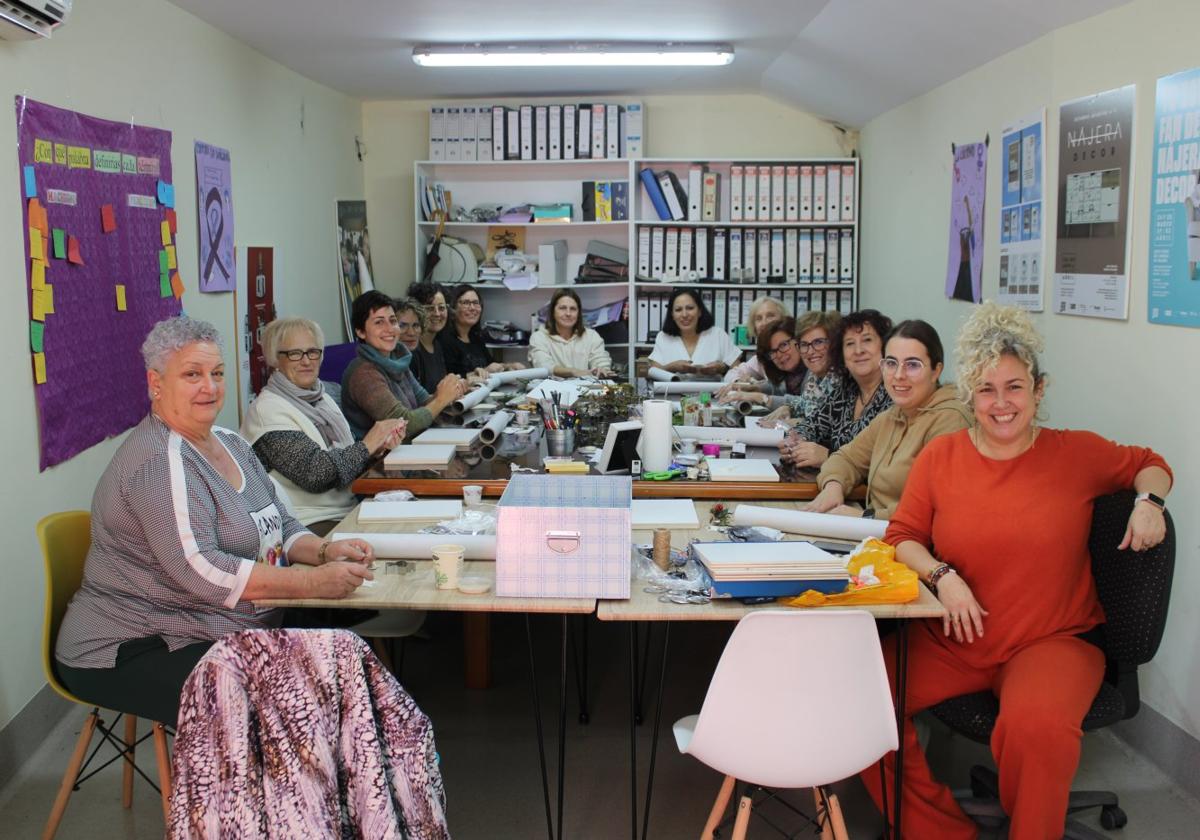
{"x":565,"y":346}
{"x":300,"y":434}
{"x":690,"y":342}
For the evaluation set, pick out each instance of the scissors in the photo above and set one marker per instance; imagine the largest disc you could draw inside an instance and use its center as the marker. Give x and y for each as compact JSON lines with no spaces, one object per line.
{"x":662,"y":475}
{"x":677,"y":596}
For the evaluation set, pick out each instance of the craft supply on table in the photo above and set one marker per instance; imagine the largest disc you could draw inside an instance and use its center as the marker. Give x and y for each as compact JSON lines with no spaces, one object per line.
{"x":662,"y":548}
{"x":811,"y":524}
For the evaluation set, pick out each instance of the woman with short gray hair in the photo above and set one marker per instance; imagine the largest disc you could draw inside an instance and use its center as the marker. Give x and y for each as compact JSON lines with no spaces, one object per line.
{"x":187,"y":533}
{"x":300,"y":434}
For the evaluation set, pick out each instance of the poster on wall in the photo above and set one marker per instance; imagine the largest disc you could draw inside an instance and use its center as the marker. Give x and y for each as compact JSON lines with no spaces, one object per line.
{"x":1022,"y":243}
{"x":1174,"y":286}
{"x":1091,"y":267}
{"x":99,"y":226}
{"x":964,"y":265}
{"x":214,"y":210}
{"x":257,"y":299}
{"x":354,"y":256}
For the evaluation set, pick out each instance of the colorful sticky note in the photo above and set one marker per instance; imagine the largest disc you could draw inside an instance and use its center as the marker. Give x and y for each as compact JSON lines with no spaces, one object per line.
{"x":166,"y":194}
{"x":36,"y":250}
{"x":60,"y":244}
{"x":120,"y":298}
{"x":39,"y":368}
{"x":172,"y":221}
{"x":108,"y":219}
{"x":171,"y":264}
{"x":166,"y":232}
{"x":164,"y":286}
{"x":38,"y":218}
{"x":43,"y":151}
{"x":163,"y":261}
{"x":37,"y":336}
{"x":30,"y":183}
{"x":43,"y":302}
{"x":37,"y":274}
{"x":176,"y":285}
{"x":73,"y":251}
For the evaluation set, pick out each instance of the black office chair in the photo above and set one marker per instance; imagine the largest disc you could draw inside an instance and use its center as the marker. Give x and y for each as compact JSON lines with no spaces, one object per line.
{"x":1135,"y":589}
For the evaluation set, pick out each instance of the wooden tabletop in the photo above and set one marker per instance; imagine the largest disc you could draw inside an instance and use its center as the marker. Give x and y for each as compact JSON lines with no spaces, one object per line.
{"x":376,"y":482}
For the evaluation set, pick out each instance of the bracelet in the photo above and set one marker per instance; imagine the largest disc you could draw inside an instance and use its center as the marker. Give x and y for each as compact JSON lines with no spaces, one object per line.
{"x":321,"y":553}
{"x":938,"y":573}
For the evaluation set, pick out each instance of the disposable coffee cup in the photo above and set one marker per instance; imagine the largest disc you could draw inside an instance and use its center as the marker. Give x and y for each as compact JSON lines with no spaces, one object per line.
{"x":522,"y":417}
{"x":472,"y":494}
{"x":447,"y":565}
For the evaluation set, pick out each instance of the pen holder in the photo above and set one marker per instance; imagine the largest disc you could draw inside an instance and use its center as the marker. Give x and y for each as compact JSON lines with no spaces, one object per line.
{"x":560,"y":442}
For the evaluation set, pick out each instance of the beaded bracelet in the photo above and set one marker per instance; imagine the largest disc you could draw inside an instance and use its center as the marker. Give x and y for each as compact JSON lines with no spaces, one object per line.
{"x":937,"y":574}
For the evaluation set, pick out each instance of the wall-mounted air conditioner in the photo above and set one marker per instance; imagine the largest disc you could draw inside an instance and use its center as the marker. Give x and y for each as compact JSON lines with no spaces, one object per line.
{"x":22,"y":20}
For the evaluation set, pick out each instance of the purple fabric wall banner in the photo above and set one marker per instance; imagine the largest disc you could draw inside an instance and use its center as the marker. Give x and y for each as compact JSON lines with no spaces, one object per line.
{"x":95,"y":381}
{"x":214,"y":209}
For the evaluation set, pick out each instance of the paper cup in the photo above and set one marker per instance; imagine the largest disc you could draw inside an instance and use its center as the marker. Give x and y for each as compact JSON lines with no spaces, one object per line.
{"x":712,"y":450}
{"x":447,"y":565}
{"x":522,"y":417}
{"x":472,"y":494}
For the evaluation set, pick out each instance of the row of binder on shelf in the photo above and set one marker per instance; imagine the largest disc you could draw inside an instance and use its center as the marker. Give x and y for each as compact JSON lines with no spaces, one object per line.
{"x":757,"y":193}
{"x":745,"y":255}
{"x":536,"y":132}
{"x":604,"y":201}
{"x":730,"y":308}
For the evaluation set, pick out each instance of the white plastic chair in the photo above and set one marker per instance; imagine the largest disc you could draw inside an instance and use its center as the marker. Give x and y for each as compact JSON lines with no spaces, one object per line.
{"x":799,"y":699}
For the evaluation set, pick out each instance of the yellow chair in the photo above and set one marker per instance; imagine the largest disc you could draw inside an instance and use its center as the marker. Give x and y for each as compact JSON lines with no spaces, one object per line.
{"x":65,"y":538}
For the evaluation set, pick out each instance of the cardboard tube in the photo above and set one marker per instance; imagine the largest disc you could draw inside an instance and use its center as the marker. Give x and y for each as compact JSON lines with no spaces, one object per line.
{"x":687,"y":387}
{"x":810,"y":524}
{"x":465,"y":404}
{"x":495,"y":426}
{"x":731,"y":434}
{"x":658,"y":374}
{"x":420,"y":546}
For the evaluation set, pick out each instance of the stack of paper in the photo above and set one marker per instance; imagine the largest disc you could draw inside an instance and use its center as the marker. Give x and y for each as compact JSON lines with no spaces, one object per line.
{"x":461,"y":439}
{"x":774,"y":568}
{"x":428,"y":456}
{"x":432,"y":510}
{"x":741,"y":469}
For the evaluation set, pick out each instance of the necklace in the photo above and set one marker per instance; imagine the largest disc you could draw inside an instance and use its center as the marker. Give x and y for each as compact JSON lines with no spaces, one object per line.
{"x":981,"y":445}
{"x":863,"y":398}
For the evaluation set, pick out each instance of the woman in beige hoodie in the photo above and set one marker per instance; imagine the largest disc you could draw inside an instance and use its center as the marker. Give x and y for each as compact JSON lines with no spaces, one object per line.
{"x":882,"y":454}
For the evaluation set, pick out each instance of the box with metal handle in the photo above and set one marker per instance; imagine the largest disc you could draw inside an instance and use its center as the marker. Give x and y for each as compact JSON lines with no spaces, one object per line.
{"x":564,"y":537}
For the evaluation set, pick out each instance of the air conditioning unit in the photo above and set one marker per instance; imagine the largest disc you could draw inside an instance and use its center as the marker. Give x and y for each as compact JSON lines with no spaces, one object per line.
{"x":23,"y":20}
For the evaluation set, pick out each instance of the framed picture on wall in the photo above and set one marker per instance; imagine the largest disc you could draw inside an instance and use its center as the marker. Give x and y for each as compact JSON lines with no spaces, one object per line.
{"x":354,"y":256}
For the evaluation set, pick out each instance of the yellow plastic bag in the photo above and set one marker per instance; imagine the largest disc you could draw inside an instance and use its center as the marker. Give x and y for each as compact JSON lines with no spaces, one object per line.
{"x":897,"y":584}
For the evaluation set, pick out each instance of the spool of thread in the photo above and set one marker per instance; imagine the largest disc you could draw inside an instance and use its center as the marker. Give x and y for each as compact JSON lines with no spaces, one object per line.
{"x":662,"y":548}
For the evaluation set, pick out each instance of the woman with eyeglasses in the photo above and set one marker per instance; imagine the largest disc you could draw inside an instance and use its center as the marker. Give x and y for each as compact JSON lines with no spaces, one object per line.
{"x":429,"y":358}
{"x":749,"y":375}
{"x":300,"y":434}
{"x":379,"y":384}
{"x":883,"y":453}
{"x":689,"y":343}
{"x":462,"y":339}
{"x":856,"y":395}
{"x":794,"y":355}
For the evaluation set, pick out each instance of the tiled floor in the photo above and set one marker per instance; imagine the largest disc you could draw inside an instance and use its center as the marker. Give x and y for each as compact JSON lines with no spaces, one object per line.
{"x":489,"y":761}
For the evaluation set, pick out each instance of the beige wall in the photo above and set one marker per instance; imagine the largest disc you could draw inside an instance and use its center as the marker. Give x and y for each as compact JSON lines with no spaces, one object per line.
{"x":148,"y":61}
{"x":1125,"y":379}
{"x":749,"y":125}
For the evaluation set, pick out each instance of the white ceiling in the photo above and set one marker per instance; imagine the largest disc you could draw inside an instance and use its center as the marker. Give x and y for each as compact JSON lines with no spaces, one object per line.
{"x":848,"y":60}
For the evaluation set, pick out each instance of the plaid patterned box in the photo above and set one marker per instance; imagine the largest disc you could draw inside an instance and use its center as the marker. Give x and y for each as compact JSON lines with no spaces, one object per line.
{"x":564,"y":536}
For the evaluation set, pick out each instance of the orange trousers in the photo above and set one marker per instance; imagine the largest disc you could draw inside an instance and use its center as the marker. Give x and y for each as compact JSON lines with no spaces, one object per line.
{"x":1045,"y":690}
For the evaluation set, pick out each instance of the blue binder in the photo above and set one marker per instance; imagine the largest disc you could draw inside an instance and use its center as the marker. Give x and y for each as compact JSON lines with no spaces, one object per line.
{"x":650,"y":182}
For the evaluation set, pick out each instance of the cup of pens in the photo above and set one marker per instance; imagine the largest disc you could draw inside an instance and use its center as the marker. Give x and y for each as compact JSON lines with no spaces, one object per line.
{"x":560,"y":442}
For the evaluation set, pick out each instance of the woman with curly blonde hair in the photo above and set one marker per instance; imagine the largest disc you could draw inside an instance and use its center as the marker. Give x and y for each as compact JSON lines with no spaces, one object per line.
{"x":1009,"y":506}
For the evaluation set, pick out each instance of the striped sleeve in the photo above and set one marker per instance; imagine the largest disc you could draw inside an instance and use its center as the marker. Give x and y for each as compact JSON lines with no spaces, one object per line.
{"x":178,"y":516}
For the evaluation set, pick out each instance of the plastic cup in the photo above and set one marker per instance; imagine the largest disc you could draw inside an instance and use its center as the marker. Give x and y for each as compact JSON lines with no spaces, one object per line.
{"x":472,"y":494}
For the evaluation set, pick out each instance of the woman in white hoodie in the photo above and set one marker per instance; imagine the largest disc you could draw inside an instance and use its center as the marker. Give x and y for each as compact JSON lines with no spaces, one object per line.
{"x":565,"y":346}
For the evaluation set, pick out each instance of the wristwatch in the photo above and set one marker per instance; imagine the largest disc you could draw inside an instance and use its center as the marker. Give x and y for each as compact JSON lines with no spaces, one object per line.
{"x":1158,"y":501}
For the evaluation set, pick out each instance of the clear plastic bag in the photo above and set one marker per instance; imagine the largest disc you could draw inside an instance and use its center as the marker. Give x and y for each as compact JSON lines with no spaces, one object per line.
{"x":480,"y":519}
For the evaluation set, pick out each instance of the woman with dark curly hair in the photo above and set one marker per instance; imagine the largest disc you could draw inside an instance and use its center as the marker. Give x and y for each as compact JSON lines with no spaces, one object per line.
{"x":689,"y":342}
{"x":856,"y":397}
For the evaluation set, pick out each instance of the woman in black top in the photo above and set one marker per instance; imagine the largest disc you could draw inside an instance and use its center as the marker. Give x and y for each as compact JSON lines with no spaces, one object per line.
{"x":429,"y":359}
{"x":462,"y":340}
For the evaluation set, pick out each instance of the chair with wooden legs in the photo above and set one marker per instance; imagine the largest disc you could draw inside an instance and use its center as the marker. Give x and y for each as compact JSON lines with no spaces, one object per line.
{"x":65,"y":538}
{"x":799,"y":699}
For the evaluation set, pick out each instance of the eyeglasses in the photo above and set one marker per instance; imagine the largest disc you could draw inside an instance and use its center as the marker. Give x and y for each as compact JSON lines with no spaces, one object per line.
{"x":312,"y":353}
{"x":815,"y":344}
{"x":912,"y":367}
{"x":408,"y":326}
{"x":469,"y":304}
{"x":784,"y":347}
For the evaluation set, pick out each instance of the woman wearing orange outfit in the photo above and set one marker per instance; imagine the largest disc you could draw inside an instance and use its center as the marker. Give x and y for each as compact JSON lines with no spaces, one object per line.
{"x":1009,"y":507}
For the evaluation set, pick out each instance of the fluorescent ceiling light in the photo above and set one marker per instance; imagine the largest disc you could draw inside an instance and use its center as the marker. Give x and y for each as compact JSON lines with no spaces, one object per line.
{"x":573,"y":55}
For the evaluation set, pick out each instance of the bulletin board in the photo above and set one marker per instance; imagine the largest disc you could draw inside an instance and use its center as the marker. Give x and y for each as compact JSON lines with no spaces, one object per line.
{"x":98,"y":216}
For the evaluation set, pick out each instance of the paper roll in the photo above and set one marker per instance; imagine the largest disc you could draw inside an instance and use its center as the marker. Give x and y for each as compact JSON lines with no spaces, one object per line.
{"x":420,"y":546}
{"x":658,"y":374}
{"x":487,"y":452}
{"x":687,"y":387}
{"x":744,"y":407}
{"x":655,"y":447}
{"x":495,"y":426}
{"x":810,"y":524}
{"x":731,"y":434}
{"x":523,"y":375}
{"x":465,"y":404}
